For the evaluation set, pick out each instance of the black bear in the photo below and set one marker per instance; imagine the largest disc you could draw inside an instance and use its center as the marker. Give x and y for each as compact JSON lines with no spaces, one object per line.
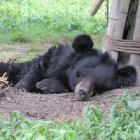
{"x":84,"y":70}
{"x":77,"y":67}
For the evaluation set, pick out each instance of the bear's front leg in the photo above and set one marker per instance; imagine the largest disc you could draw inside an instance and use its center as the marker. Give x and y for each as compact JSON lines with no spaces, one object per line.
{"x":28,"y":82}
{"x":52,"y":85}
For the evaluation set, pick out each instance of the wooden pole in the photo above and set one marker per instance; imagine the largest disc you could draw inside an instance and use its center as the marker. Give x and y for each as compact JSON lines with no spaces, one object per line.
{"x":112,"y":21}
{"x":118,"y":14}
{"x":96,"y":5}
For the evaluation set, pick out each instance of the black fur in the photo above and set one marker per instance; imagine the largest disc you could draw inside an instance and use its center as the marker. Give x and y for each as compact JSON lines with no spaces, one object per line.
{"x":105,"y":74}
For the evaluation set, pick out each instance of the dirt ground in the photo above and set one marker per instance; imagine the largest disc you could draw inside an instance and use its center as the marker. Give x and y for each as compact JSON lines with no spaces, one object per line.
{"x":55,"y":106}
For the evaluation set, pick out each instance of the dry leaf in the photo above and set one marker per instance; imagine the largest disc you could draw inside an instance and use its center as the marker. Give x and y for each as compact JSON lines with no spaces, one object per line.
{"x":3,"y":79}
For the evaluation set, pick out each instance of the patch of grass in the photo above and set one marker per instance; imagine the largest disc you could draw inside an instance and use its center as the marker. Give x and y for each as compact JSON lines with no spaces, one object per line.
{"x":35,"y":48}
{"x":5,"y":54}
{"x":122,"y":123}
{"x":26,"y":58}
{"x":28,"y":20}
{"x":19,"y":37}
{"x":98,"y":39}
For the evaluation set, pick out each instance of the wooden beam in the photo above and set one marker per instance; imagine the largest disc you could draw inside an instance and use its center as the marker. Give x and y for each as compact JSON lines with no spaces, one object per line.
{"x":95,"y":7}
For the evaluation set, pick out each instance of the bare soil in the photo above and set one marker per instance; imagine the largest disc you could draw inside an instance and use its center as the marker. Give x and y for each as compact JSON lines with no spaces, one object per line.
{"x":55,"y":106}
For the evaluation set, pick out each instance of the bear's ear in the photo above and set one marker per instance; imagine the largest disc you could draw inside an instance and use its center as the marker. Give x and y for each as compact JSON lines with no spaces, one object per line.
{"x":82,"y":43}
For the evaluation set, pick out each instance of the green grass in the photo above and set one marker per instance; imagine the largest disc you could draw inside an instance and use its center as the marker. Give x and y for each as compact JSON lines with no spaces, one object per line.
{"x":122,"y":123}
{"x":35,"y":48}
{"x":39,"y":20}
{"x":25,"y":58}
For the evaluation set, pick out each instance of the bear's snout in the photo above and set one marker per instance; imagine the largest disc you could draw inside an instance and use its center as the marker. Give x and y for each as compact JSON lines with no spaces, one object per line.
{"x":84,"y":89}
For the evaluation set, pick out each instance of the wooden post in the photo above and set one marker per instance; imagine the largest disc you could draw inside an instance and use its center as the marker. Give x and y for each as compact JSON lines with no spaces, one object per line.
{"x":112,"y":21}
{"x":118,"y":14}
{"x":135,"y":58}
{"x":96,"y":5}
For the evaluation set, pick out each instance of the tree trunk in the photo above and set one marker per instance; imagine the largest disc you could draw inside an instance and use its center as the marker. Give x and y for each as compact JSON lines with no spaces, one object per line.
{"x":96,"y":5}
